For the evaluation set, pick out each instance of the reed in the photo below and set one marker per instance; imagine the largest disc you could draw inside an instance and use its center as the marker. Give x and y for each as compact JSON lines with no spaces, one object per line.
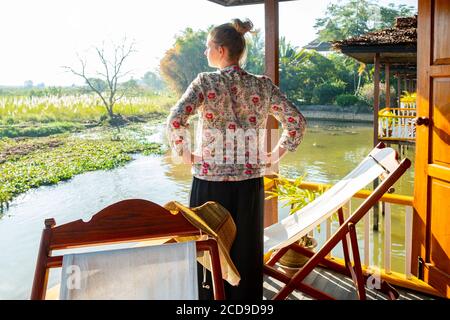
{"x":76,"y":108}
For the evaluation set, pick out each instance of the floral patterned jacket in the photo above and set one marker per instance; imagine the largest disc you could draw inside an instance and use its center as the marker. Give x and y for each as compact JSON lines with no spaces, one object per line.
{"x":232,"y":101}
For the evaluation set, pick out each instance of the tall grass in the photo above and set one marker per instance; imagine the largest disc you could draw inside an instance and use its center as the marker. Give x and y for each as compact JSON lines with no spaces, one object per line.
{"x":81,"y":108}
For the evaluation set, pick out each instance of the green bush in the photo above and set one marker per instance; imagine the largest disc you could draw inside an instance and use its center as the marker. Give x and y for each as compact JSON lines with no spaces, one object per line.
{"x":346,"y":100}
{"x":326,"y":93}
{"x":365,"y":94}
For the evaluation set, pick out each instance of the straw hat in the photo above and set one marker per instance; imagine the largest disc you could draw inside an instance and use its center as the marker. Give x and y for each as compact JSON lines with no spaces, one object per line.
{"x":216,"y":221}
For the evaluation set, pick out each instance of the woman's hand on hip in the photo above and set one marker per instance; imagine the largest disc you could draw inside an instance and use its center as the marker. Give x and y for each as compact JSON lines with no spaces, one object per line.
{"x":190,"y":158}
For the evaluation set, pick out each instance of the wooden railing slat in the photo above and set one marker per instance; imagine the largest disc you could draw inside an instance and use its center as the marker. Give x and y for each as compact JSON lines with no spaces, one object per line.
{"x":408,"y":240}
{"x":367,"y":238}
{"x":387,"y":238}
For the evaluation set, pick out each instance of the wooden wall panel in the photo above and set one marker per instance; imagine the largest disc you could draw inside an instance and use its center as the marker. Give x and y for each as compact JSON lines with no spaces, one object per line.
{"x":441,"y":121}
{"x":440,"y":224}
{"x":431,"y":220}
{"x":441,"y":32}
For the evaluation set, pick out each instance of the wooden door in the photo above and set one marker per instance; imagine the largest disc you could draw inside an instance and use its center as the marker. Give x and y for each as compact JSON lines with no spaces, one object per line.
{"x":431,"y":226}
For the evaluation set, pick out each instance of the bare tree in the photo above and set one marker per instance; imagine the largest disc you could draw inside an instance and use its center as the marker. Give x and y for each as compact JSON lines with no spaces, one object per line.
{"x":106,"y":85}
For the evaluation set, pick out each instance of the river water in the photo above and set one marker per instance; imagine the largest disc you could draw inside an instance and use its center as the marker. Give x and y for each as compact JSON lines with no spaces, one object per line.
{"x":328,"y":152}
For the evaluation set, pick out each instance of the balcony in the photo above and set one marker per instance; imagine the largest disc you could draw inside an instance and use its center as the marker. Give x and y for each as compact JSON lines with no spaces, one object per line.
{"x":409,"y":286}
{"x":397,"y":125}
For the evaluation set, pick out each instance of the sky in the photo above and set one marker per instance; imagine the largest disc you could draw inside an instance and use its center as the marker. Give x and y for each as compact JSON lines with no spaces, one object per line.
{"x":39,"y":37}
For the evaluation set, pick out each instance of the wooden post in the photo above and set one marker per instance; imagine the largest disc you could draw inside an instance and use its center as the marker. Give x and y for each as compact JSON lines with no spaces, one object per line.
{"x":272,"y":40}
{"x":272,"y":71}
{"x":399,"y":89}
{"x":41,"y":272}
{"x":387,"y":75}
{"x":376,"y":107}
{"x":376,"y":98}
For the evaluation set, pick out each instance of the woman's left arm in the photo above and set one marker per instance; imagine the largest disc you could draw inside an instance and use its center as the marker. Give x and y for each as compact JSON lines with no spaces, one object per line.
{"x":177,"y":121}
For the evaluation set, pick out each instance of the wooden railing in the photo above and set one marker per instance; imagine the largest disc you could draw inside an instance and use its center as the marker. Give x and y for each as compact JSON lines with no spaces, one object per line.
{"x":397,"y":123}
{"x":405,"y":278}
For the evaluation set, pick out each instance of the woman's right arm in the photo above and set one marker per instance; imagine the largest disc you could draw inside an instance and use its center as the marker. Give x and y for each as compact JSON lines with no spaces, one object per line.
{"x":177,"y":121}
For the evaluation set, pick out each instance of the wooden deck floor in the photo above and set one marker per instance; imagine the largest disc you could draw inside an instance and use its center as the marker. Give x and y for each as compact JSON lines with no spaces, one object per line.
{"x":336,"y":285}
{"x":325,"y":280}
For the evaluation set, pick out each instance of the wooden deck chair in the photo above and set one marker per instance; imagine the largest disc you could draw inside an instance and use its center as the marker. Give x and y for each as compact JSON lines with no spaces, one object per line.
{"x":125,"y":221}
{"x":280,"y":237}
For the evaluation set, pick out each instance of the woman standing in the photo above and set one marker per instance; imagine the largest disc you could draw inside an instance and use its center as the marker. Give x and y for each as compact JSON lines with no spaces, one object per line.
{"x":229,"y":165}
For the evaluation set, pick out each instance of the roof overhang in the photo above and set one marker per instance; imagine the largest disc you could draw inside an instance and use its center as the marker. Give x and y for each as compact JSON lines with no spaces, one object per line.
{"x":392,"y":54}
{"x":233,"y":3}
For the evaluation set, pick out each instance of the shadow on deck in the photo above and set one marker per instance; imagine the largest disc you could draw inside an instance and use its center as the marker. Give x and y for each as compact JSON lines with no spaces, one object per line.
{"x":335,"y":284}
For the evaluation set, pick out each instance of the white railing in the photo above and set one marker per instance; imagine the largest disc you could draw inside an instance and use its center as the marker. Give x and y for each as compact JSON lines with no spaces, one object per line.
{"x":397,"y":123}
{"x":408,"y":240}
{"x":387,"y":240}
{"x":400,"y":275}
{"x":407,"y":105}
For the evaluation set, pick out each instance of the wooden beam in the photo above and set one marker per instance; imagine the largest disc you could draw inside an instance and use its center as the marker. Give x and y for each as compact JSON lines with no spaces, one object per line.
{"x":376,"y":109}
{"x":272,"y":40}
{"x":272,"y":71}
{"x":235,"y":3}
{"x":387,"y":76}
{"x":376,"y":98}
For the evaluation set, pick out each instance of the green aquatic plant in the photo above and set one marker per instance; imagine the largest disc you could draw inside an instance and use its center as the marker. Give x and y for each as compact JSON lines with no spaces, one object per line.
{"x":23,"y":167}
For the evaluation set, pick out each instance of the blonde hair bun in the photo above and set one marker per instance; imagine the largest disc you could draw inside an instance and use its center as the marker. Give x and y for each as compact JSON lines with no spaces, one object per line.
{"x":242,"y":26}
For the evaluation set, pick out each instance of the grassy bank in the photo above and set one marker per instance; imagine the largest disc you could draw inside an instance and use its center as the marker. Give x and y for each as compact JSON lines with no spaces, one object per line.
{"x":32,"y":162}
{"x":42,"y":129}
{"x":39,"y":130}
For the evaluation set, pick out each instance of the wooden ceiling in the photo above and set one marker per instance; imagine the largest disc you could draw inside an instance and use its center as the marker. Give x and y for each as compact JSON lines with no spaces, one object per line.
{"x":396,"y":54}
{"x":233,"y":3}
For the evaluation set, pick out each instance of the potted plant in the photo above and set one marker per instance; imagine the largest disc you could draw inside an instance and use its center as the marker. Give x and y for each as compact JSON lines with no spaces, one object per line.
{"x":291,"y":192}
{"x":386,"y":118}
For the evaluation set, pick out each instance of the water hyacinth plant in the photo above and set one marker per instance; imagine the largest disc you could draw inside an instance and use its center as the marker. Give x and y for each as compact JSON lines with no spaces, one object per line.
{"x":27,"y":164}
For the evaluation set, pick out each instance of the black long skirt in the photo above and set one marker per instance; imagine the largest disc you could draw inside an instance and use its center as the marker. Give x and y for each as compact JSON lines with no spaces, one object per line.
{"x":245,"y":201}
